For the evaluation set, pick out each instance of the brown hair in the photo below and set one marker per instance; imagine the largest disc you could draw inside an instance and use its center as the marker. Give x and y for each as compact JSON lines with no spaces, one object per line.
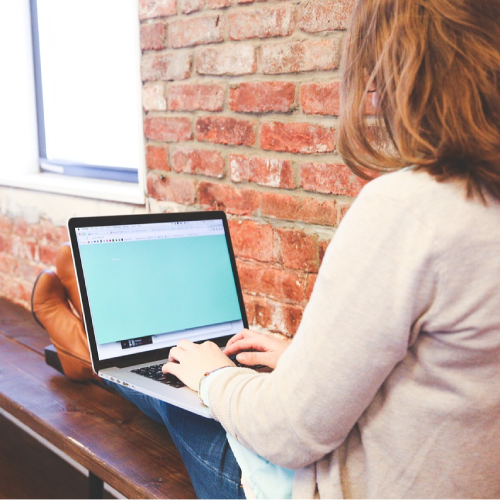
{"x":435,"y":65}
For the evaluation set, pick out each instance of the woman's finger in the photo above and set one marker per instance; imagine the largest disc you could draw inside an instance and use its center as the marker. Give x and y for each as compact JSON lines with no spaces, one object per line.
{"x":242,"y":335}
{"x":234,"y":339}
{"x":238,"y":336}
{"x":258,"y":358}
{"x":244,"y":345}
{"x":176,"y":354}
{"x":185,"y":344}
{"x":172,"y":368}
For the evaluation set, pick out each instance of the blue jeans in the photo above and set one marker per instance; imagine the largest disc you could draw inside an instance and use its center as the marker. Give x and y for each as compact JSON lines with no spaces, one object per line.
{"x":201,"y":442}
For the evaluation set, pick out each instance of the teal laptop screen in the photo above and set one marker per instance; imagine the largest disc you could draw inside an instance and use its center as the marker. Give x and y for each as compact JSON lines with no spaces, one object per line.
{"x":149,"y":285}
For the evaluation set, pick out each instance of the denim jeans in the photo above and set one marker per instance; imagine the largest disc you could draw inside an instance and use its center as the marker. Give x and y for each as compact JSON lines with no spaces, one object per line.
{"x":202,"y":444}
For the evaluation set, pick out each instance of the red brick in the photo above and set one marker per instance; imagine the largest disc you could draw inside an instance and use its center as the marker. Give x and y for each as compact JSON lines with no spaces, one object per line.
{"x":330,"y":178}
{"x":5,"y":243}
{"x":165,"y":66}
{"x":258,"y":310}
{"x":274,"y":316}
{"x":262,"y":23}
{"x":168,"y":129}
{"x":149,"y":9}
{"x":252,"y":241}
{"x":273,"y":172}
{"x":153,"y":96}
{"x":206,"y":97}
{"x":311,"y":281}
{"x":196,"y":31}
{"x":30,"y":270}
{"x":262,"y":97}
{"x":153,"y":36}
{"x":8,"y":264}
{"x":324,"y":99}
{"x":174,"y":189}
{"x":297,"y":57}
{"x":35,"y":231}
{"x":20,"y":227}
{"x":323,"y":245}
{"x":55,"y":235}
{"x":198,"y":161}
{"x":290,"y":317}
{"x":23,"y":249}
{"x":47,"y":231}
{"x":229,"y":199}
{"x":6,"y":224}
{"x":274,"y":283}
{"x":217,"y":4}
{"x":18,"y":291}
{"x":299,"y":250}
{"x":233,"y":59}
{"x":157,"y":157}
{"x":225,"y":130}
{"x":62,"y":234}
{"x":310,"y":210}
{"x":320,"y":98}
{"x":304,"y":138}
{"x":47,"y":254}
{"x":329,"y":15}
{"x":250,"y":302}
{"x":249,"y":1}
{"x":188,"y":6}
{"x":342,"y":209}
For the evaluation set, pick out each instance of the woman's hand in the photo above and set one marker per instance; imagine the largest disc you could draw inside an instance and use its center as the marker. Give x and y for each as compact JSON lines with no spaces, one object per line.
{"x":268,"y":350}
{"x":189,"y":361}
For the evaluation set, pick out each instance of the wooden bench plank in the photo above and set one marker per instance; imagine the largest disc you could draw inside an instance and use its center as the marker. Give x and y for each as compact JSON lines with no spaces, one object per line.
{"x":96,"y":427}
{"x":18,"y":323}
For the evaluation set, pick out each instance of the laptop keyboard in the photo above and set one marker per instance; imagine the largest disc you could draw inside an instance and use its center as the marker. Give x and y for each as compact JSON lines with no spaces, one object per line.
{"x":154,"y":372}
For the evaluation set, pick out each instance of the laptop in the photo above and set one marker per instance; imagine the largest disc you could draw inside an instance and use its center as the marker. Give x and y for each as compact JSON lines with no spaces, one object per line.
{"x":147,"y":281}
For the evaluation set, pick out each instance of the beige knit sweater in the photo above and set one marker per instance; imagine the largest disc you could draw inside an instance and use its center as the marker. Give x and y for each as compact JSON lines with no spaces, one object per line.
{"x":391,"y":387}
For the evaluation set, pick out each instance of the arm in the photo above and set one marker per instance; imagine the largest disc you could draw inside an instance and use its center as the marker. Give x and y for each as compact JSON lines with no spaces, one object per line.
{"x":377,"y":278}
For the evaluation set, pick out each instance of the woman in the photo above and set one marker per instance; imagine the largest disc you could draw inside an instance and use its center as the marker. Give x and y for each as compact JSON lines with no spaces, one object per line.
{"x":390,"y":387}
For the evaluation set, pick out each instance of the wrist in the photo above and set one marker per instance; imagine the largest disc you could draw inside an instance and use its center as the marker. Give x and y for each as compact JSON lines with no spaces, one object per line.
{"x":202,"y":394}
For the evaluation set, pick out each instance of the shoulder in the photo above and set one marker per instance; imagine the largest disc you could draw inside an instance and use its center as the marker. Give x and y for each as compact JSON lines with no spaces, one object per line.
{"x":400,"y":196}
{"x":417,"y":193}
{"x":441,"y":206}
{"x":406,"y":186}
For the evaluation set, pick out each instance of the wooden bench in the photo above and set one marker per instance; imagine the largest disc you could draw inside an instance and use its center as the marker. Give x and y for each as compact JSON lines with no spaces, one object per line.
{"x":95,"y":427}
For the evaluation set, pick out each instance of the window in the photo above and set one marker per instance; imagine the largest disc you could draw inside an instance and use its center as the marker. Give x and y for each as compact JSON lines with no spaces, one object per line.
{"x":90,"y":129}
{"x":88,"y":87}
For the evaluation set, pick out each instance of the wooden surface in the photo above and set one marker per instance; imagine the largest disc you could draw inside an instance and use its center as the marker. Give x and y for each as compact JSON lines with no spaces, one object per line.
{"x":94,"y":426}
{"x":30,"y":470}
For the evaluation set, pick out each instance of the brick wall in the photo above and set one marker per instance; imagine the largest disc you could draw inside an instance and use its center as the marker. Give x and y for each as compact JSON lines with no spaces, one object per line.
{"x":25,"y":250}
{"x":241,"y":101}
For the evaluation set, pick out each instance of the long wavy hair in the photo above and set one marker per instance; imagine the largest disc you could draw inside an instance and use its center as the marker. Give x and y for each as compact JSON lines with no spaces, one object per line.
{"x":435,"y":65}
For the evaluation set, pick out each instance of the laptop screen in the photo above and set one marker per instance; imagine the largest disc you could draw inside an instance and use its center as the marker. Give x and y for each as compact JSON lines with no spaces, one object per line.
{"x":150,"y":285}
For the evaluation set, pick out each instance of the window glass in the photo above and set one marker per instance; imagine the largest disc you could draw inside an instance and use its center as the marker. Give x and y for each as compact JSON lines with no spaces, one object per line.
{"x":89,"y":86}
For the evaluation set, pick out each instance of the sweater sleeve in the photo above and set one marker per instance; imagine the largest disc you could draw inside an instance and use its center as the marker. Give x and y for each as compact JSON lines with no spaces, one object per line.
{"x":377,"y":278}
